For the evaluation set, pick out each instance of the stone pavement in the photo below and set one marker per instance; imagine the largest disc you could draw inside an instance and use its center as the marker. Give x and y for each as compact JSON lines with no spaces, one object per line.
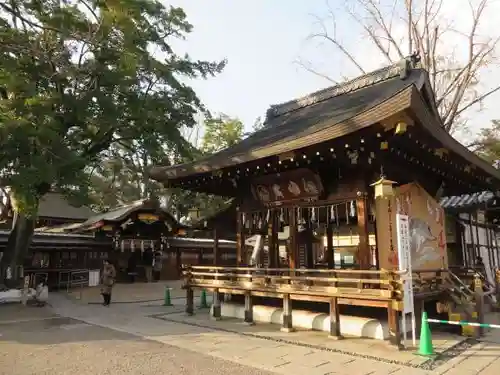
{"x":303,"y":356}
{"x":261,"y":347}
{"x":50,"y":345}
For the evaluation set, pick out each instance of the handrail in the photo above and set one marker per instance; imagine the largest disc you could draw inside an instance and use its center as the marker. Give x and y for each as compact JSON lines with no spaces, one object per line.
{"x":304,"y":270}
{"x":298,"y":278}
{"x":388,"y":286}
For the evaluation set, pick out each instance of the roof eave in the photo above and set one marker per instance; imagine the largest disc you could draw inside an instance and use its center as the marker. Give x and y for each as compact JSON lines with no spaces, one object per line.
{"x":397,"y":103}
{"x":432,"y":125}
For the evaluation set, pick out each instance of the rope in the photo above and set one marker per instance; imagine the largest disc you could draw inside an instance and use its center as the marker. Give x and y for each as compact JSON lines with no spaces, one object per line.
{"x":462,"y":323}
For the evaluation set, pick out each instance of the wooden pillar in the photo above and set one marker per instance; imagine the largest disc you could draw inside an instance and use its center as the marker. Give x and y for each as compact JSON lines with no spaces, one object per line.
{"x":178,"y":261}
{"x":273,"y":244}
{"x":394,"y":327}
{"x":479,"y":302}
{"x":189,"y":301}
{"x":364,"y":245}
{"x":330,"y":256}
{"x":469,"y":255}
{"x":292,"y":251}
{"x":200,"y":257}
{"x":309,"y":241}
{"x":240,"y":237}
{"x":216,"y":248}
{"x":287,"y":314}
{"x":216,"y":308}
{"x":334,"y":319}
{"x":478,"y":253}
{"x":248,"y":308}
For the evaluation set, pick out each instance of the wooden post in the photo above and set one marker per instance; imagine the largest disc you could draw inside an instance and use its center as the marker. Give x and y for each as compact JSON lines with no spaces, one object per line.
{"x":240,"y":237}
{"x":189,"y":301}
{"x":394,"y":327}
{"x":287,"y":314}
{"x":273,"y":245}
{"x":335,"y":319}
{"x":248,"y":308}
{"x":292,"y":253}
{"x":330,"y":256}
{"x":364,"y":245}
{"x":216,"y":308}
{"x":216,"y":248}
{"x":477,"y":237}
{"x":497,"y":287}
{"x":479,"y":304}
{"x":309,"y":241}
{"x":178,"y":261}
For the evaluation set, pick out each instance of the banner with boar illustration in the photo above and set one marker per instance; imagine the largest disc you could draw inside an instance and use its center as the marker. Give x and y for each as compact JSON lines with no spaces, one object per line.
{"x":427,"y":228}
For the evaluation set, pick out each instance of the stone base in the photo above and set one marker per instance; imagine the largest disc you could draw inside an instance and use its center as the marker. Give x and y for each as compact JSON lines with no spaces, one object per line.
{"x":349,"y":325}
{"x":331,"y":337}
{"x":287,"y":330}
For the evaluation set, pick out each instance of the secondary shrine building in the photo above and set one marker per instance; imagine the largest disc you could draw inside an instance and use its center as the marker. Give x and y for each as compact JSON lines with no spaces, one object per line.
{"x":332,"y":193}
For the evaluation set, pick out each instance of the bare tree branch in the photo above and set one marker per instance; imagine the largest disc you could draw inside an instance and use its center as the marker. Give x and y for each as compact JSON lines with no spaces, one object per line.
{"x":306,"y":65}
{"x":455,"y":79}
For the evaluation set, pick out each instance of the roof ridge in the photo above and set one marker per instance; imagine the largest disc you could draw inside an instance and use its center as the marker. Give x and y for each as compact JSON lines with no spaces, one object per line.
{"x":368,"y":79}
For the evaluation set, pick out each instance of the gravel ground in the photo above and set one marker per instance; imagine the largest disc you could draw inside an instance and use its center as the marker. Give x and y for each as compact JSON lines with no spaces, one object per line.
{"x":64,"y":346}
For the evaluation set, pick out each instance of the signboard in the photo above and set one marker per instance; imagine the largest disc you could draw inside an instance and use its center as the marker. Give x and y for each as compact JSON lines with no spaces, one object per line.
{"x":404,"y":257}
{"x":148,"y":218}
{"x":301,"y":184}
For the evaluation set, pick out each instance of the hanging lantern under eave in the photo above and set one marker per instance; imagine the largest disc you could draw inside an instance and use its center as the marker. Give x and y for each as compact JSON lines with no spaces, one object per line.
{"x":383,"y":188}
{"x":400,"y":128}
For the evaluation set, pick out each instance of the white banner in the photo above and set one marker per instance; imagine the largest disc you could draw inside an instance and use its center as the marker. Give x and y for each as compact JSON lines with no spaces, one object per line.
{"x":404,"y":257}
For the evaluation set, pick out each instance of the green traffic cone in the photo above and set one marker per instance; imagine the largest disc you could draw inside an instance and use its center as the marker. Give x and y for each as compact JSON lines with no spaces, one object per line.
{"x":203,"y":300}
{"x":167,"y":301}
{"x":425,"y":347}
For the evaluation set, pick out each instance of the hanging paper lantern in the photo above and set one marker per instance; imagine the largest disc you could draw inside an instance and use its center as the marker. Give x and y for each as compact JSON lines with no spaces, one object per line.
{"x":400,"y":128}
{"x":383,"y":188}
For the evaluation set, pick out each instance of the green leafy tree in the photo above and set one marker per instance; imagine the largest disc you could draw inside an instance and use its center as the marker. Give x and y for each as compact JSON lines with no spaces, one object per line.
{"x":218,"y":134}
{"x":78,"y":79}
{"x":221,"y":133}
{"x":487,"y":144}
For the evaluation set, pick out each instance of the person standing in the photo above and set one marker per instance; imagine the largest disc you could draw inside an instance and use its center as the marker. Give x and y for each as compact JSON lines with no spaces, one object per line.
{"x":147,"y":259}
{"x":157,"y":265}
{"x":108,"y":281}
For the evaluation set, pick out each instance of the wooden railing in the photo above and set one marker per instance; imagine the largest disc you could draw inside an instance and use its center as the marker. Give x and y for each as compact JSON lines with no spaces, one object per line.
{"x":382,"y":289}
{"x":317,"y":284}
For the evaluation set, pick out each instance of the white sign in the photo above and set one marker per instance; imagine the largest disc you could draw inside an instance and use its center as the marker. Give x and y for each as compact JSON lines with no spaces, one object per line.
{"x":404,"y":257}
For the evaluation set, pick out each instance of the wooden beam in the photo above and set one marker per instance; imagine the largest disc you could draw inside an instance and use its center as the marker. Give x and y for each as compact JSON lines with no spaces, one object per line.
{"x":334,"y":319}
{"x":308,"y":241}
{"x":287,"y":325}
{"x":273,"y":244}
{"x":216,"y":247}
{"x":364,"y":245}
{"x":330,"y":258}
{"x":293,"y":248}
{"x":240,"y":237}
{"x":248,"y":308}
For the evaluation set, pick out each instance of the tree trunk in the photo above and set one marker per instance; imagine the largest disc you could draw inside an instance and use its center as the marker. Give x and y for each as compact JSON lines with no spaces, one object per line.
{"x":17,"y":248}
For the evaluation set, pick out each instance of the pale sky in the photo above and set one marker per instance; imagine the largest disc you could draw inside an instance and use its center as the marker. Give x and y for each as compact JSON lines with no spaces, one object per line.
{"x":262,"y":40}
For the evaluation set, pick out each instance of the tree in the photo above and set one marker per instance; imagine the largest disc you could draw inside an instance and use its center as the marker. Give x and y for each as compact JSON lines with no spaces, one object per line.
{"x":487,"y":144}
{"x":221,"y":133}
{"x":455,"y":70}
{"x":78,"y":80}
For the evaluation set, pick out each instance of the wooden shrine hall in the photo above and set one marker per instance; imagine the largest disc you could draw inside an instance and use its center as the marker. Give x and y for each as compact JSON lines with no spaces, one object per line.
{"x":321,"y":188}
{"x":136,"y":232}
